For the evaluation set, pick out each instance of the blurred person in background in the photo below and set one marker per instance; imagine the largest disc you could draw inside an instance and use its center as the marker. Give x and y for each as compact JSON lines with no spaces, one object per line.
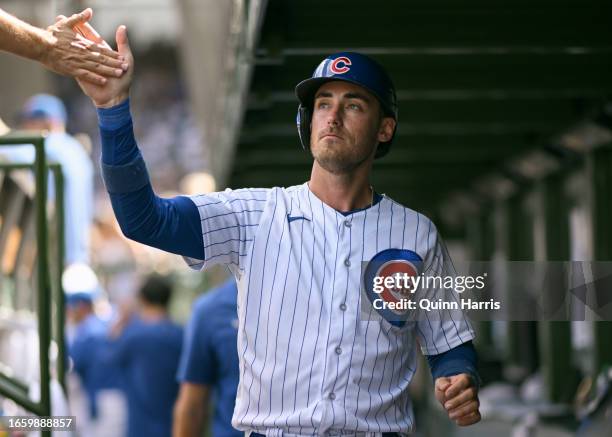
{"x":81,"y":53}
{"x":47,"y":113}
{"x":147,"y":348}
{"x":208,"y":369}
{"x":87,"y":341}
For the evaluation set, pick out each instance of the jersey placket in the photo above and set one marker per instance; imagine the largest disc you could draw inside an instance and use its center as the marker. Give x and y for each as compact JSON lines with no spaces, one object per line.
{"x":342,"y":315}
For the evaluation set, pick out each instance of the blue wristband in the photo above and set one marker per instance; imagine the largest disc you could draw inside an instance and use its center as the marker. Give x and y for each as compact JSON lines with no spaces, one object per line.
{"x":460,"y":359}
{"x":125,"y":178}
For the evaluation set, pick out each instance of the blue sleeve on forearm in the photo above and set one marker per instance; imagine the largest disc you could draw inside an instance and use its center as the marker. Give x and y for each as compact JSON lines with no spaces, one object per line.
{"x":173,"y":224}
{"x":461,"y":359}
{"x":118,"y":142}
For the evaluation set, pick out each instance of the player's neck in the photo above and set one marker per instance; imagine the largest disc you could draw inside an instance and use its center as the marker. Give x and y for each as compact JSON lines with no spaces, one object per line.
{"x":343,"y":192}
{"x":152,"y":313}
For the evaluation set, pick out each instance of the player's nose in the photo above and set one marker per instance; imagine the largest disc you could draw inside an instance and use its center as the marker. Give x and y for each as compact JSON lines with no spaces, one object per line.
{"x":334,"y":117}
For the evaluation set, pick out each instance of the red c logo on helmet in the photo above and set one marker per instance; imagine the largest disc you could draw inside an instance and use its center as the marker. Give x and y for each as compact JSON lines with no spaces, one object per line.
{"x":340,"y":65}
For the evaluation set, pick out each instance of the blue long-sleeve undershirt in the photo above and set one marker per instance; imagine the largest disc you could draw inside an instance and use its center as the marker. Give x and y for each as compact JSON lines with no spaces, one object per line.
{"x":173,"y":224}
{"x":460,"y":359}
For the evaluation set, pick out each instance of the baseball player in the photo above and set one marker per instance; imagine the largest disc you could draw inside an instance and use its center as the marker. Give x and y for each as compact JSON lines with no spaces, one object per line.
{"x":70,"y":46}
{"x":87,"y":341}
{"x":47,"y":112}
{"x":208,"y":370}
{"x":314,"y":358}
{"x":147,"y":349}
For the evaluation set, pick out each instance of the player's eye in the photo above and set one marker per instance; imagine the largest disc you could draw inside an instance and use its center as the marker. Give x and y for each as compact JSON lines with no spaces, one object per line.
{"x":322,"y":104}
{"x":354,"y":107}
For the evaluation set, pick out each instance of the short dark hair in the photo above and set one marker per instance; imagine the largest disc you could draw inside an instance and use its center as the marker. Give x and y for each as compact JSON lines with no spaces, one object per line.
{"x":156,"y":290}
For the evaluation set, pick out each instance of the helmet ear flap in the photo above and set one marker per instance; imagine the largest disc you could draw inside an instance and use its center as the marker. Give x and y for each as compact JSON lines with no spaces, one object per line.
{"x":304,"y":118}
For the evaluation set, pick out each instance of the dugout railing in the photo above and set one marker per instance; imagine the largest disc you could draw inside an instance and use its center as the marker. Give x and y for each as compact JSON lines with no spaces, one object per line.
{"x":25,"y":218}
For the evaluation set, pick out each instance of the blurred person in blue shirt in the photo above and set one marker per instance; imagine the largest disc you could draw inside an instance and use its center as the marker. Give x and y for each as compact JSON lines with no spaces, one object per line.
{"x":209,"y":365}
{"x":87,"y":342}
{"x":147,"y":348}
{"x":47,"y":113}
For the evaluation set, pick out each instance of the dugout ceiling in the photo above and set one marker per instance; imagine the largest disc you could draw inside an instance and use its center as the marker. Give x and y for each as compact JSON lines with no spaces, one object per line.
{"x":480,"y":82}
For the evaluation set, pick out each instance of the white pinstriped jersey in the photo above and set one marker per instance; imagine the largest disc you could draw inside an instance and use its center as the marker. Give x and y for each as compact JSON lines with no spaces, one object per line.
{"x":309,"y":363}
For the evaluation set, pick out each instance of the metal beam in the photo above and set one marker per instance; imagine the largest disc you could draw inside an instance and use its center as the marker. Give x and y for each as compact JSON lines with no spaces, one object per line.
{"x":463,"y":72}
{"x":555,"y":336}
{"x":263,"y":99}
{"x":449,"y":111}
{"x":437,"y":24}
{"x":406,"y":156}
{"x":433,"y":129}
{"x":602,"y":237}
{"x":440,"y":140}
{"x":391,"y":176}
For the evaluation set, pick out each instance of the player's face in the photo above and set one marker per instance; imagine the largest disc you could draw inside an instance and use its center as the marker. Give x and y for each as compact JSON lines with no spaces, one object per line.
{"x":347,"y":125}
{"x":36,"y":124}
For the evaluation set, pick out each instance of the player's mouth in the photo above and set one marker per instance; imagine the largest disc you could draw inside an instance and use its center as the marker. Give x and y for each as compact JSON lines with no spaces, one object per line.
{"x":330,"y":136}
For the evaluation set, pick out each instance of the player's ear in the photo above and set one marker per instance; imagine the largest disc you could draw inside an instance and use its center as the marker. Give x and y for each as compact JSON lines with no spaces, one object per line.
{"x":385,"y":130}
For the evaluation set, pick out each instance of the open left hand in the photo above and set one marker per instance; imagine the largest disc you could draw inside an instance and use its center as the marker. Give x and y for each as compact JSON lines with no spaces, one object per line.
{"x":459,"y":397}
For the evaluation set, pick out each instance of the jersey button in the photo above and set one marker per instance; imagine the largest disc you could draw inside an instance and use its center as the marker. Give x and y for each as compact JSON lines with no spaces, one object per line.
{"x":332,"y":396}
{"x":347,"y":262}
{"x":338,"y":350}
{"x":342,"y":307}
{"x":347,"y":223}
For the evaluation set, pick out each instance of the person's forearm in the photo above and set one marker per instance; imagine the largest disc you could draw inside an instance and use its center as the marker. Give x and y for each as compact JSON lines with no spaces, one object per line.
{"x":188,"y":421}
{"x":117,"y":133}
{"x":70,"y":47}
{"x":173,"y":224}
{"x":21,"y":38}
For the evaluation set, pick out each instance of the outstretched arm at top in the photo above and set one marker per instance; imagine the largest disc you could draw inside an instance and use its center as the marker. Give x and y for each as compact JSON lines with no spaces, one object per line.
{"x":70,"y":46}
{"x":172,"y":224}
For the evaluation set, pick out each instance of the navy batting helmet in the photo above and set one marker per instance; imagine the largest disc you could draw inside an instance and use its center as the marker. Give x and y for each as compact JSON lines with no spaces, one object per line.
{"x":350,"y":67}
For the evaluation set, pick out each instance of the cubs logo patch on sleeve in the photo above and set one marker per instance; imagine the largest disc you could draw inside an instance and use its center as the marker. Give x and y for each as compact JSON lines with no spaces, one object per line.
{"x":388,"y":285}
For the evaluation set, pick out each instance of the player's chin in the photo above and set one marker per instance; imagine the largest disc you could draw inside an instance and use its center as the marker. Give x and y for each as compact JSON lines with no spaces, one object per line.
{"x":327,"y":144}
{"x":468,"y":419}
{"x":332,"y":164}
{"x":332,"y":156}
